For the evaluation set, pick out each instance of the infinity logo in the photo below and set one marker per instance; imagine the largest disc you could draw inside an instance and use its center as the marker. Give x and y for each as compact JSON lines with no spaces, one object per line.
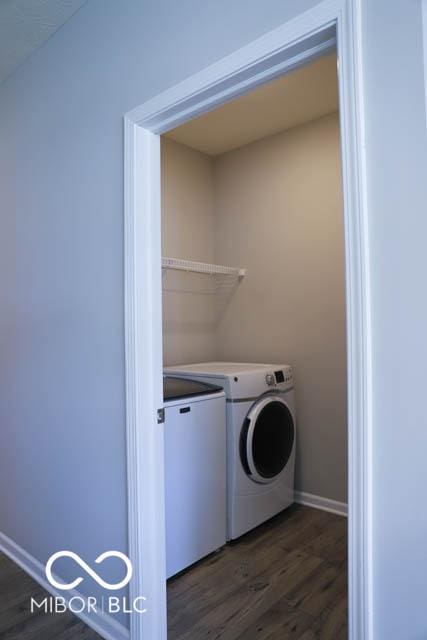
{"x":88,"y":570}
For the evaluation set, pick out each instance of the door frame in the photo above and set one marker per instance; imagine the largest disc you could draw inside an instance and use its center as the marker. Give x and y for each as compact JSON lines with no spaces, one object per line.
{"x":294,"y":42}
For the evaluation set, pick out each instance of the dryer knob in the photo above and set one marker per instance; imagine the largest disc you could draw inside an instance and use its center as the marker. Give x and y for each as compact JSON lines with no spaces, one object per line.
{"x":269,"y":379}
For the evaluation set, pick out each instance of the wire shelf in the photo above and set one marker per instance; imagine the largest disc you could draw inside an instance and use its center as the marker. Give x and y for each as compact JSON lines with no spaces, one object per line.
{"x":202,"y":267}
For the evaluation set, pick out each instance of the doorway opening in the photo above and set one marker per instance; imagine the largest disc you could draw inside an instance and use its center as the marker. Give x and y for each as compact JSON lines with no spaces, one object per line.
{"x":255,"y":187}
{"x":279,"y":52}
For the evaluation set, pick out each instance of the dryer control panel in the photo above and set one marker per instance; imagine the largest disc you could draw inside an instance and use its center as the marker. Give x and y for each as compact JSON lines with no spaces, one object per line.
{"x":279,"y":377}
{"x":270,"y":379}
{"x":284,"y":376}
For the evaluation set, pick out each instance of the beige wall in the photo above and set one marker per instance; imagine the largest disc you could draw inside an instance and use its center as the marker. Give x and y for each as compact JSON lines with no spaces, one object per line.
{"x":274,"y":207}
{"x":279,"y":214}
{"x":187,"y":232}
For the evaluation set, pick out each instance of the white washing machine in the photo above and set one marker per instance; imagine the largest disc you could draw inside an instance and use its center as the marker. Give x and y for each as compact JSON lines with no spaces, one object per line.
{"x":195,"y":471}
{"x":261,"y":438}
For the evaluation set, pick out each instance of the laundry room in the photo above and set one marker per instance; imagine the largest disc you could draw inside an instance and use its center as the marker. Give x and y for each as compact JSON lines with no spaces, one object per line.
{"x":255,"y":364}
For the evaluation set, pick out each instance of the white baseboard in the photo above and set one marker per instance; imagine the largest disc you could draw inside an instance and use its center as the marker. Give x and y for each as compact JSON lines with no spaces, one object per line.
{"x":99,"y":621}
{"x":317,"y":502}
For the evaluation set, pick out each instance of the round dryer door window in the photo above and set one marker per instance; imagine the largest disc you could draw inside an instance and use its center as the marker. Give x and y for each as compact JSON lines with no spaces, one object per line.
{"x":267,"y":439}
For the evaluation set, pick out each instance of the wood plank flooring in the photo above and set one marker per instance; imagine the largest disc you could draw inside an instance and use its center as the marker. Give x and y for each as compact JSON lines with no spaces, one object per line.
{"x":16,"y":620}
{"x":285,"y":580}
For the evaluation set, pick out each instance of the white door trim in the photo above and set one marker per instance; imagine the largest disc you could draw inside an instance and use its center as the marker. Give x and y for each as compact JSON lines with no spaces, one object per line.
{"x":276,"y":52}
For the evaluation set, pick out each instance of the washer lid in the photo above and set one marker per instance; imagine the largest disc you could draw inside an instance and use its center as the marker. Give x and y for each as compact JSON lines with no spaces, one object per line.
{"x":175,"y":388}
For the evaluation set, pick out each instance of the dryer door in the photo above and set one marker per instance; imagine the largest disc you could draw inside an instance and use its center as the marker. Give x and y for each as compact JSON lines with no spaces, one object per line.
{"x":267,"y":439}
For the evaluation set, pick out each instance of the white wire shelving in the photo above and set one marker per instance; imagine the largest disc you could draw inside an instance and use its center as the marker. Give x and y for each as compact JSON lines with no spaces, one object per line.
{"x":202,"y":267}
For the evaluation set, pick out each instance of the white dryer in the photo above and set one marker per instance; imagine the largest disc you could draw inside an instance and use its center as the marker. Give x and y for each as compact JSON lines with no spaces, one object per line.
{"x":261,"y":438}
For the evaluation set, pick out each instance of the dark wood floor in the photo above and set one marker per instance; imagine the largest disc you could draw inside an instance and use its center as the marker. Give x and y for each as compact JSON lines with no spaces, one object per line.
{"x":286,"y":579}
{"x":16,"y":620}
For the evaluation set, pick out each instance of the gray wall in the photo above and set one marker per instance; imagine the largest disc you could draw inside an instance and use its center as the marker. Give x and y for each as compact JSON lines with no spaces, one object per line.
{"x":62,"y":438}
{"x":61,"y":287}
{"x":187,"y":232}
{"x":279,"y":214}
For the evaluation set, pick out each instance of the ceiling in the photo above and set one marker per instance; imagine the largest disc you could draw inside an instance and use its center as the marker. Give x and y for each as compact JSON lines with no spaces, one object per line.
{"x":26,"y":25}
{"x":305,"y":94}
